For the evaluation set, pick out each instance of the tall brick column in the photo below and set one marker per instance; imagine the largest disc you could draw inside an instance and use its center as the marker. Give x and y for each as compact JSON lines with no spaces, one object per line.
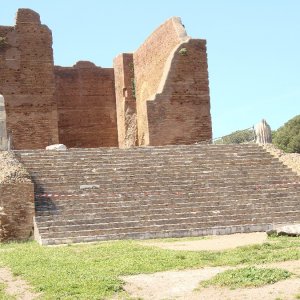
{"x":27,"y":82}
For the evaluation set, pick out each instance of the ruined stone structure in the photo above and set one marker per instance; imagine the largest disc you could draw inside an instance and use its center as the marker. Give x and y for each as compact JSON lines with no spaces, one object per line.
{"x":158,"y":95}
{"x":84,"y":195}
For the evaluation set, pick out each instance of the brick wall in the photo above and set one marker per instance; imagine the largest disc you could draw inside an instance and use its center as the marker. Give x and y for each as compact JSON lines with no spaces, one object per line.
{"x":171,"y":88}
{"x":125,"y":100}
{"x":16,"y":211}
{"x":159,"y":96}
{"x":149,"y":64}
{"x":86,"y":106}
{"x":181,"y":113}
{"x":27,"y":82}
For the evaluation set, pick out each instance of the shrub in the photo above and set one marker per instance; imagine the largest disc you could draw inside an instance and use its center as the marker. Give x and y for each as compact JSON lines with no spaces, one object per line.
{"x":287,"y":137}
{"x":237,"y":137}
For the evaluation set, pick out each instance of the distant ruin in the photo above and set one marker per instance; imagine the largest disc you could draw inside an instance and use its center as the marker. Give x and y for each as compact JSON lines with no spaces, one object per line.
{"x":158,"y":95}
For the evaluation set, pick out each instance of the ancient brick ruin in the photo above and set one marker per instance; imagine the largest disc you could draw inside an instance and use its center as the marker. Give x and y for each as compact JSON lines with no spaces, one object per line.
{"x":158,"y":95}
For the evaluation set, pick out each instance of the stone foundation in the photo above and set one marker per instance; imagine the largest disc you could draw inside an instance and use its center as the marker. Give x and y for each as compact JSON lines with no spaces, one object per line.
{"x":16,"y":211}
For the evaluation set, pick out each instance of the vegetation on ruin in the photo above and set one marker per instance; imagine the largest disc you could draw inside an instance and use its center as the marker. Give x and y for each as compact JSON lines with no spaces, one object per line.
{"x":183,"y":51}
{"x":247,"y":277}
{"x":92,"y":271}
{"x":237,"y":137}
{"x":287,"y":137}
{"x":3,"y":42}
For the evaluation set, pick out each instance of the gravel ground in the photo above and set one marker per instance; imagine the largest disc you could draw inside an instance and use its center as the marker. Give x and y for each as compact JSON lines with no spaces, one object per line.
{"x":11,"y":170}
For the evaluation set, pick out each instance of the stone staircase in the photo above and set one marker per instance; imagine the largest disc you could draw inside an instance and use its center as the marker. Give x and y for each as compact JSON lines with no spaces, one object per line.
{"x":84,"y":195}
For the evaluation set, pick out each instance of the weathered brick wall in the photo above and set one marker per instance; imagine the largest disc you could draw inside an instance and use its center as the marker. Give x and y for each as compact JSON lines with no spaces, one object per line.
{"x":172,"y":89}
{"x":149,"y":64}
{"x":159,"y":97}
{"x":27,"y":82}
{"x":16,"y":211}
{"x":181,"y":113}
{"x":125,"y":100}
{"x":86,"y":106}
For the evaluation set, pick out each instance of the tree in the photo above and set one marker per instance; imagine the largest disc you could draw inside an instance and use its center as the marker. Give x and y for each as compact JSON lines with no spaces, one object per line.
{"x":287,"y":137}
{"x":237,"y":137}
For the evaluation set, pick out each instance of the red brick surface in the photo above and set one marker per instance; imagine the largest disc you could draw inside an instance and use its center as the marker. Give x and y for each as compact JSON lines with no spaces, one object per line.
{"x":27,"y":82}
{"x":125,"y":100}
{"x":86,"y":106}
{"x":149,"y":63}
{"x":155,"y":96}
{"x":181,"y":113}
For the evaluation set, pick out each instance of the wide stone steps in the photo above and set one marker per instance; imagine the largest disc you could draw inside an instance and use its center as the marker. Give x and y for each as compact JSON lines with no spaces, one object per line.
{"x":156,"y":214}
{"x":75,"y":214}
{"x":97,"y":194}
{"x":106,"y":201}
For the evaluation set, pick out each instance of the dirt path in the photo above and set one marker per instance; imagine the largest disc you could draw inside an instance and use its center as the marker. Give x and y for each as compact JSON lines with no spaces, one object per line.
{"x":213,"y":243}
{"x":15,"y":286}
{"x":182,"y":284}
{"x":167,"y":285}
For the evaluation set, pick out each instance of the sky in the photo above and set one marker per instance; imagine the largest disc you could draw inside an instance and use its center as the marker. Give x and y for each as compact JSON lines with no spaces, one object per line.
{"x":253,"y":47}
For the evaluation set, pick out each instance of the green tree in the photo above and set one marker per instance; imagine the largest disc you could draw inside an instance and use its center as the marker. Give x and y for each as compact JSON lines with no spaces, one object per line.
{"x":287,"y":137}
{"x":237,"y":137}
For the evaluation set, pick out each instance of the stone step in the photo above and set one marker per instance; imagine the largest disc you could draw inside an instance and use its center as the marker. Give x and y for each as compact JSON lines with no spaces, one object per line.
{"x":158,"y":191}
{"x":183,"y":223}
{"x":160,"y":198}
{"x":153,"y":215}
{"x":163,"y":209}
{"x":179,"y":232}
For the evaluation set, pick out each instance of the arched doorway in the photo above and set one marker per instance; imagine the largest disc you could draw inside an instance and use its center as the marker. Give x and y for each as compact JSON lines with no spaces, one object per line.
{"x":3,"y":131}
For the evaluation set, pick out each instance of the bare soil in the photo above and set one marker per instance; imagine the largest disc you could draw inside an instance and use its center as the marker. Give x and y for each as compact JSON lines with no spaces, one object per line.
{"x":15,"y":286}
{"x":212,"y":243}
{"x":183,"y":284}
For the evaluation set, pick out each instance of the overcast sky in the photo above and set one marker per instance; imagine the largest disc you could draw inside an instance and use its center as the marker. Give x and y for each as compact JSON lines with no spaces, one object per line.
{"x":253,"y":47}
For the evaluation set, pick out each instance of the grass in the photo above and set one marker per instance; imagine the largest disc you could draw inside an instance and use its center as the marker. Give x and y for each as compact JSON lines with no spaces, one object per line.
{"x":247,"y":277}
{"x":92,"y":271}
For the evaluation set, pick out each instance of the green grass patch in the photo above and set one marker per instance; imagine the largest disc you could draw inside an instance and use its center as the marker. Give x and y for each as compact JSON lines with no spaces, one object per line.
{"x":92,"y":271}
{"x":247,"y":277}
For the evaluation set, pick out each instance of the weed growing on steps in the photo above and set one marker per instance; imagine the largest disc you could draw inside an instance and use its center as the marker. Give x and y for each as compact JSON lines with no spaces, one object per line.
{"x":247,"y":277}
